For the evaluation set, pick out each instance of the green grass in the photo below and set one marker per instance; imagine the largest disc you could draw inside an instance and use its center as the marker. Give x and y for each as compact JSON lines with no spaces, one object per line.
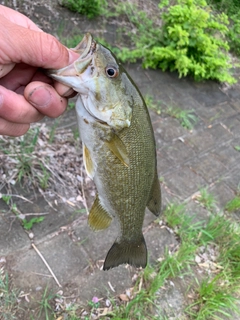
{"x":26,"y":223}
{"x":87,"y":8}
{"x":45,"y":305}
{"x":186,"y":117}
{"x":215,"y":299}
{"x":22,"y":151}
{"x":206,"y":199}
{"x":233,"y":205}
{"x":8,"y":298}
{"x":151,"y":104}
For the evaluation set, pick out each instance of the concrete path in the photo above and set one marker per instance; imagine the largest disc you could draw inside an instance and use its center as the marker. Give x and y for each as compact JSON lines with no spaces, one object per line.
{"x":187,"y":161}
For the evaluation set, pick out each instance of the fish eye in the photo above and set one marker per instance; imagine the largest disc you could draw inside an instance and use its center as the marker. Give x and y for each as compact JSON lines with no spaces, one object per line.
{"x":111,"y":72}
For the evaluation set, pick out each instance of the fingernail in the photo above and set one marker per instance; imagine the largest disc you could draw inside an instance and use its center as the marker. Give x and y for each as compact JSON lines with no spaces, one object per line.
{"x":40,"y":97}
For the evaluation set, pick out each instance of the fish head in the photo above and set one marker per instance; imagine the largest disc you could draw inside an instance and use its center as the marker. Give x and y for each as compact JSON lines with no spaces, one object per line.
{"x":102,"y":83}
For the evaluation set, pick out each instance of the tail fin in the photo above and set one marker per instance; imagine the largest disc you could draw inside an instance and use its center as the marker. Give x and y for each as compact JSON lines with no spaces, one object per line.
{"x":125,"y":251}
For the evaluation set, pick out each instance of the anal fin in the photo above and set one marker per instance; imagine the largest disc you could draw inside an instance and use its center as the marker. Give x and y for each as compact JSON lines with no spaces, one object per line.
{"x":154,"y":201}
{"x":98,"y":218}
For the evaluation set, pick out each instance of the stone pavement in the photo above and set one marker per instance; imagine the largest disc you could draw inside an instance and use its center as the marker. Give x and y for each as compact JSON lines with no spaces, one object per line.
{"x":187,"y":161}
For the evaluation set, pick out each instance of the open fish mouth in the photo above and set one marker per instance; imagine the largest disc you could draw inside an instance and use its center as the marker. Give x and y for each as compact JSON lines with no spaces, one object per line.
{"x":86,"y":46}
{"x":71,"y":74}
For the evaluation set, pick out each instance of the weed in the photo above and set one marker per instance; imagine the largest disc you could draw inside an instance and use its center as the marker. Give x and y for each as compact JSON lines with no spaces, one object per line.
{"x":43,"y":177}
{"x":76,"y":134}
{"x":6,"y":198}
{"x":151,"y":104}
{"x":88,"y":8}
{"x":237,"y":148}
{"x":71,"y":105}
{"x":8,"y":298}
{"x":24,"y":155}
{"x":45,"y":305}
{"x":52,"y":131}
{"x":186,"y":117}
{"x":206,"y":199}
{"x":233,"y":205}
{"x":214,"y":298}
{"x":173,"y":214}
{"x":27,"y":225}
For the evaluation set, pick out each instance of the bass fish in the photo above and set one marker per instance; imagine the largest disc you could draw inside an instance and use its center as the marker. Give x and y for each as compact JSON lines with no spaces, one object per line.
{"x":119,"y":151}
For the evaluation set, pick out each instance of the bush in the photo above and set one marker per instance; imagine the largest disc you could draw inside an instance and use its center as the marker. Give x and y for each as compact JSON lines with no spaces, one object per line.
{"x":89,"y":8}
{"x":232,"y":10}
{"x":234,"y":34}
{"x":193,"y":42}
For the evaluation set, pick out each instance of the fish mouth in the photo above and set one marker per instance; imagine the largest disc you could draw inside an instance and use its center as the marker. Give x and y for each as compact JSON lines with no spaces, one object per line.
{"x":86,"y":46}
{"x":73,"y":75}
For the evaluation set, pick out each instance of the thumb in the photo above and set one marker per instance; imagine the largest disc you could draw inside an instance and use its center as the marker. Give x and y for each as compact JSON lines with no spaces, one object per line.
{"x":19,"y":44}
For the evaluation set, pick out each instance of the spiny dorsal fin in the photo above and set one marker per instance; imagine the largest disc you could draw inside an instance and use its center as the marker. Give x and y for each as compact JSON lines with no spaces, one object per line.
{"x":98,"y":218}
{"x":127,"y":251}
{"x":118,"y":148}
{"x":154,"y":202}
{"x":88,"y":163}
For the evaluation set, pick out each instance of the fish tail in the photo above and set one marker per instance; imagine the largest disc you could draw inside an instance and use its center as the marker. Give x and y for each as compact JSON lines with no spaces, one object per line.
{"x":133,"y":252}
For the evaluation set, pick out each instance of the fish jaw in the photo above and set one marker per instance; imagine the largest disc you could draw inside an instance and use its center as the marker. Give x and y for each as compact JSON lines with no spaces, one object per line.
{"x":74,"y":75}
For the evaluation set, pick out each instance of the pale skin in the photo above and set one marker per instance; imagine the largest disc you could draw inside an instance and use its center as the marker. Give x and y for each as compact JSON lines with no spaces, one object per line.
{"x":26,"y":93}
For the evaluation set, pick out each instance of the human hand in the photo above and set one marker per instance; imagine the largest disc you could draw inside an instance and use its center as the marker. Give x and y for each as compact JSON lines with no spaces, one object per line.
{"x":26,"y":93}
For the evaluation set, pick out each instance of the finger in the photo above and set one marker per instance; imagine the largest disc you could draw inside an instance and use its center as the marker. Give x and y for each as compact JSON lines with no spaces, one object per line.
{"x":5,"y":69}
{"x":42,"y":49}
{"x":45,"y":99}
{"x":63,"y":90}
{"x":19,"y":76}
{"x":15,"y":108}
{"x":12,"y":129}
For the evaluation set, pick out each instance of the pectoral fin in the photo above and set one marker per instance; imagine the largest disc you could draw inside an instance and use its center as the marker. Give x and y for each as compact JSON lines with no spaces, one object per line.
{"x":118,"y":148}
{"x":88,"y":163}
{"x":154,"y":202}
{"x":98,"y":218}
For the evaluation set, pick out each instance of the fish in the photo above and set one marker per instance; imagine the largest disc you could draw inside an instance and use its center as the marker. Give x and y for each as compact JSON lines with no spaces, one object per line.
{"x":119,"y":150}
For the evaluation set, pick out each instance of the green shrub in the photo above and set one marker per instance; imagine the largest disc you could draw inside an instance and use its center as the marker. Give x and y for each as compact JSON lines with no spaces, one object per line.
{"x":193,"y":42}
{"x":234,"y":33}
{"x":89,"y":8}
{"x":232,"y":10}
